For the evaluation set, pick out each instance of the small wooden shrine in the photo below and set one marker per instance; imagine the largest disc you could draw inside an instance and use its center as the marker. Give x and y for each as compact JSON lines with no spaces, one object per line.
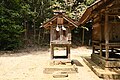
{"x":60,"y":27}
{"x":105,"y":15}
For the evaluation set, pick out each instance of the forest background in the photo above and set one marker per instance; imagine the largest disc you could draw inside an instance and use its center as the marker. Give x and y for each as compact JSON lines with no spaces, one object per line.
{"x":21,"y":20}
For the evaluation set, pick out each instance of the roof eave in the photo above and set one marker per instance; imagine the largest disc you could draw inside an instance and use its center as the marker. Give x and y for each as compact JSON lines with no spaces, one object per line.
{"x":87,"y":14}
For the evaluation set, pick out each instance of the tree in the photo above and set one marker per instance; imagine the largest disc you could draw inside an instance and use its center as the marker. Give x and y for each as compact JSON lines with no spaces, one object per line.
{"x":89,"y":2}
{"x":26,"y":16}
{"x":10,"y":26}
{"x":18,"y":16}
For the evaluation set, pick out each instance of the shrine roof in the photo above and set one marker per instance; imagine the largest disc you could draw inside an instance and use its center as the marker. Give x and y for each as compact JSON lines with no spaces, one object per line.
{"x":66,"y":21}
{"x":97,"y":5}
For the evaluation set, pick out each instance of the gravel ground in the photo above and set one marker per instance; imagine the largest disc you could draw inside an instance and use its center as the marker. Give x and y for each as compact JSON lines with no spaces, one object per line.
{"x":30,"y":66}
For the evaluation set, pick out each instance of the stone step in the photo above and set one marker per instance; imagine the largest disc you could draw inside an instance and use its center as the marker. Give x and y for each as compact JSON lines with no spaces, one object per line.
{"x":63,"y":68}
{"x":60,"y":62}
{"x":59,"y":74}
{"x":60,"y":79}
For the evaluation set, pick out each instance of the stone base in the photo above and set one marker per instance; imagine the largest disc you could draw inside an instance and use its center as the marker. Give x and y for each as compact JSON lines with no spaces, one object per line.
{"x":60,"y":74}
{"x":60,"y":62}
{"x":60,"y":65}
{"x":102,"y":73}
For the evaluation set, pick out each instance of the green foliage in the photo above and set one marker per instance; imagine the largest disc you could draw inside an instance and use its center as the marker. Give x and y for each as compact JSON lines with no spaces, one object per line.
{"x":13,"y":16}
{"x":16,"y":14}
{"x":89,"y":2}
{"x":10,"y":37}
{"x":73,"y":8}
{"x":10,"y":28}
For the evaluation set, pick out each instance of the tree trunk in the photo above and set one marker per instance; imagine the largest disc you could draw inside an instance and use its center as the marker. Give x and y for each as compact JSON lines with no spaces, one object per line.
{"x":83,"y":37}
{"x":43,"y":37}
{"x":39,"y":37}
{"x":34,"y":32}
{"x":26,"y":30}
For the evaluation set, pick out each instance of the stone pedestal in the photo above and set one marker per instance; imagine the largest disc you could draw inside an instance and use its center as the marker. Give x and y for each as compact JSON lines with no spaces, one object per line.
{"x":61,"y":66}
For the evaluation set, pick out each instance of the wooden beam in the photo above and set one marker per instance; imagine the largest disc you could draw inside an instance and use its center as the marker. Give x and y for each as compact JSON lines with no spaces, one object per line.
{"x":114,"y":13}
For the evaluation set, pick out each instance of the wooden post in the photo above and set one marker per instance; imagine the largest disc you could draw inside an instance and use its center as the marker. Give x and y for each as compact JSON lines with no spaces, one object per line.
{"x":106,"y":36}
{"x":100,"y":49}
{"x":83,"y":37}
{"x":68,"y":51}
{"x":52,"y":51}
{"x":51,"y":33}
{"x":93,"y":48}
{"x":61,"y":33}
{"x":112,"y":50}
{"x":69,"y":35}
{"x":100,"y":40}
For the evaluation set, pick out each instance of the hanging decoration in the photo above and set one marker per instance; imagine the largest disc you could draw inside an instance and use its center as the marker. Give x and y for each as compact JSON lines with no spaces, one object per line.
{"x":57,"y":28}
{"x":63,"y":28}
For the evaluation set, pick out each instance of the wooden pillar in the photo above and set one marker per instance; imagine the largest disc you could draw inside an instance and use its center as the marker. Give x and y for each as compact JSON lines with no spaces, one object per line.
{"x":68,"y":51}
{"x":106,"y":36}
{"x":52,"y":51}
{"x":69,"y":35}
{"x":101,"y":49}
{"x":100,"y":40}
{"x":83,"y":36}
{"x":61,"y":33}
{"x":93,"y":48}
{"x":112,"y":50}
{"x":51,"y":33}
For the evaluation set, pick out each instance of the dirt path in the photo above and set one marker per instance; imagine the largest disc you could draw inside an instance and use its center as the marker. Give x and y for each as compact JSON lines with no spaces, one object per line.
{"x":29,"y":66}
